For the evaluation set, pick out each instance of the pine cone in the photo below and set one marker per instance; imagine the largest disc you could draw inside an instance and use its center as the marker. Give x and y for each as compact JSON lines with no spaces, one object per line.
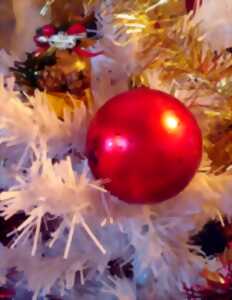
{"x":52,"y":79}
{"x":77,"y":83}
{"x":29,"y":71}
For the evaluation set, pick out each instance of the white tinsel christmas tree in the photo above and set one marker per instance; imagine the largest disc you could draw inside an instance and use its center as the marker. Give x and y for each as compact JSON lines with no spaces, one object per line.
{"x":63,"y":234}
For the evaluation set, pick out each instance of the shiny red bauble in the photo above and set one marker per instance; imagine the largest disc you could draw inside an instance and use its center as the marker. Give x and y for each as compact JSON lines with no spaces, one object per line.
{"x":145,"y":144}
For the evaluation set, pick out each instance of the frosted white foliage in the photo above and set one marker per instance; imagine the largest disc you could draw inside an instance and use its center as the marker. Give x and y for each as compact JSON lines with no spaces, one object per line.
{"x":108,"y":79}
{"x":54,"y":190}
{"x":72,"y":226}
{"x":123,"y":289}
{"x":215,"y":19}
{"x":14,"y":134}
{"x":42,"y":273}
{"x":55,"y":133}
{"x":160,"y":234}
{"x":28,"y":127}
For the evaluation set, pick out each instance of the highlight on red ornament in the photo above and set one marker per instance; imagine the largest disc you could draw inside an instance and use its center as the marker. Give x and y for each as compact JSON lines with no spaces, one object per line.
{"x":68,"y":38}
{"x":146,"y":144}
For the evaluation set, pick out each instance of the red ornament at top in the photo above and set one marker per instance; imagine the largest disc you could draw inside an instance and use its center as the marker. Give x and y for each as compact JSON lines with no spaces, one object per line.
{"x":76,"y":29}
{"x":48,"y":30}
{"x":146,"y":144}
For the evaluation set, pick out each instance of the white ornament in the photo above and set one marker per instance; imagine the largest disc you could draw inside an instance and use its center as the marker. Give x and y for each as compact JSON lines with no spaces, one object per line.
{"x":62,"y":40}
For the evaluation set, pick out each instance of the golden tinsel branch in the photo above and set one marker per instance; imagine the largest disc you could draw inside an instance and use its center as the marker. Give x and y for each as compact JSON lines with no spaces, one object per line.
{"x":133,"y":20}
{"x":181,"y":55}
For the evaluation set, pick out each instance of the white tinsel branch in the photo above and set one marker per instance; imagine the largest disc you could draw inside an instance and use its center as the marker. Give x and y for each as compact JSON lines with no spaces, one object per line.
{"x":215,"y":20}
{"x":51,"y":190}
{"x":29,"y":127}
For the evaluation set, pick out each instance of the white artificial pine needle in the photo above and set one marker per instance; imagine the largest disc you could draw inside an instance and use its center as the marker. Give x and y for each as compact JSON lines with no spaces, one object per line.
{"x":37,"y":234}
{"x":120,"y":227}
{"x":27,"y":222}
{"x":104,"y":222}
{"x":107,"y":209}
{"x":70,"y":236}
{"x":93,"y":237}
{"x":82,"y":277}
{"x":220,"y":217}
{"x":97,"y":187}
{"x":56,"y":235}
{"x":26,"y":237}
{"x":23,"y":157}
{"x":21,"y":235}
{"x":71,"y":174}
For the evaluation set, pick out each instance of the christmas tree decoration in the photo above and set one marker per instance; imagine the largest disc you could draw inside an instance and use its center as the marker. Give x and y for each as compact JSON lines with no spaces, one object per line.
{"x":65,"y":38}
{"x":65,"y":234}
{"x":145,"y":144}
{"x":60,"y":66}
{"x":62,"y":75}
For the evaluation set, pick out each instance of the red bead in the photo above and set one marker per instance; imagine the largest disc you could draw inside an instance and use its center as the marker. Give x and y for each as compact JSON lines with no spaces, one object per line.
{"x":48,"y":30}
{"x":76,"y":29}
{"x":146,"y":144}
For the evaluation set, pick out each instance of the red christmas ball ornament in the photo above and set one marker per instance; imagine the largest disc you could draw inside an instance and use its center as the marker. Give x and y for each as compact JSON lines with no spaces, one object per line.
{"x":146,"y":144}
